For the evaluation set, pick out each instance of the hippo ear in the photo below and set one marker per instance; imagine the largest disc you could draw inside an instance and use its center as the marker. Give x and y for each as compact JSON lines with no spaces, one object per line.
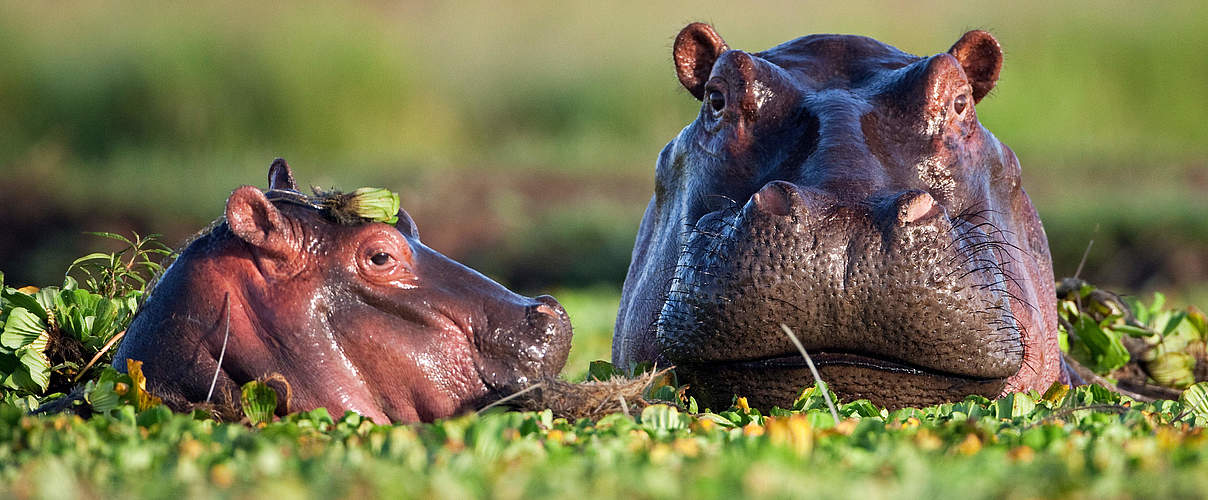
{"x":280,"y":176}
{"x":697,"y":47}
{"x":406,"y":225}
{"x":981,"y":58}
{"x":255,"y":220}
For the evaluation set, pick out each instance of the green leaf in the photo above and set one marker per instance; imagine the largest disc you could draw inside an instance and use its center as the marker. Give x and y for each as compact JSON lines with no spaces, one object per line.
{"x":1194,"y":316}
{"x":600,"y":370}
{"x":1140,"y":312}
{"x":1103,"y":347}
{"x":37,"y":366}
{"x":90,"y":257}
{"x":1196,"y":399}
{"x":1015,"y":405}
{"x":23,"y":328}
{"x":25,"y":301}
{"x":662,"y":417}
{"x":102,"y":396}
{"x":259,"y":402}
{"x":1133,"y":331}
{"x":1173,"y":369}
{"x":376,"y":204}
{"x":859,"y":407}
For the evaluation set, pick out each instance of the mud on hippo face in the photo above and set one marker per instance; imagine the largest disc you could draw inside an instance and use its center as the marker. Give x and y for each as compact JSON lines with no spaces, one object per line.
{"x":845,"y":189}
{"x":355,"y":315}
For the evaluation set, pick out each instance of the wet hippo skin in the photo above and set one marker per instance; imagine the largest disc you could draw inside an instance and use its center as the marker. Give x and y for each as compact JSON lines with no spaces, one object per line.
{"x":846,"y":189}
{"x":352,"y":314}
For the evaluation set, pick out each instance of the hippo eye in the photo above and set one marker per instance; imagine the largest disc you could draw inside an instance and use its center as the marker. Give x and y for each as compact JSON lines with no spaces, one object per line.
{"x":717,"y":101}
{"x":959,"y":103}
{"x":380,"y":259}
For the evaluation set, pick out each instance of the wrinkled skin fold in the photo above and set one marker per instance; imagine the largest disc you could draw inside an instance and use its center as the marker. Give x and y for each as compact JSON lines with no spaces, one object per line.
{"x":845,"y":189}
{"x":351,"y":316}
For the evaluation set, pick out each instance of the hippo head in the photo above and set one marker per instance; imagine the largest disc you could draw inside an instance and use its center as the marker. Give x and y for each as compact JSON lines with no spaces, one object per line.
{"x":353,"y":314}
{"x":845,"y":189}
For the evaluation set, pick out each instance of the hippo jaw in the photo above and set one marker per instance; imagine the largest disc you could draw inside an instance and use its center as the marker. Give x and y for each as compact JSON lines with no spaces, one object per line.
{"x":925,"y":315}
{"x":845,"y":189}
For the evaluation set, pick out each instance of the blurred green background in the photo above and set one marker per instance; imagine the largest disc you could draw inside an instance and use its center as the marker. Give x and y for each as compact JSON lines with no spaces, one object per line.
{"x":522,"y":135}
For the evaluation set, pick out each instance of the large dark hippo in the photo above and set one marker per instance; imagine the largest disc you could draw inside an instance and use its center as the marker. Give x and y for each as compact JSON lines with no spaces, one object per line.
{"x":846,"y":189}
{"x":354,"y":314}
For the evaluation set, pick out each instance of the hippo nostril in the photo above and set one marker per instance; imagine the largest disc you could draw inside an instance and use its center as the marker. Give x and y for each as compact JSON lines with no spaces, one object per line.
{"x":546,"y":310}
{"x":775,"y":198}
{"x":914,"y":206}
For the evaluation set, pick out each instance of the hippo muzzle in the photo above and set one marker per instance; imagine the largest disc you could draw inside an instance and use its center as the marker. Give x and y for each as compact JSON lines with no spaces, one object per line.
{"x":897,"y":287}
{"x":846,"y":190}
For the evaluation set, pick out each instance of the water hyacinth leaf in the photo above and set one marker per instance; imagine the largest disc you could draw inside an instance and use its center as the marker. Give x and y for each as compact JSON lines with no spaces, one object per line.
{"x":1198,"y":321}
{"x":662,"y":417}
{"x":259,"y":402}
{"x":600,"y":370}
{"x":1056,"y":393}
{"x":860,"y":408}
{"x":102,"y":396}
{"x":1103,"y":347}
{"x":1015,"y":405}
{"x":663,"y":393}
{"x":1195,"y":398}
{"x":142,"y":399}
{"x":376,"y":204}
{"x":16,"y":299}
{"x":13,"y":374}
{"x":1173,"y":369}
{"x":23,"y":328}
{"x":49,"y":300}
{"x":37,"y":366}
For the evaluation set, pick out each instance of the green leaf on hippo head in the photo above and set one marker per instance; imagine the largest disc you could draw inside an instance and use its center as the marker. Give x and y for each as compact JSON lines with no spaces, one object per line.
{"x":376,"y":204}
{"x":259,"y":402}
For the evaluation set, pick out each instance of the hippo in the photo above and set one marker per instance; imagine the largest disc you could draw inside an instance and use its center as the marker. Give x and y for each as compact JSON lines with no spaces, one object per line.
{"x":844,"y":189}
{"x":351,"y":314}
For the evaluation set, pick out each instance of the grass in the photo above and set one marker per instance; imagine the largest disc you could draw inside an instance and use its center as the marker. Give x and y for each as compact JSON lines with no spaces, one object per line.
{"x":1023,"y":446}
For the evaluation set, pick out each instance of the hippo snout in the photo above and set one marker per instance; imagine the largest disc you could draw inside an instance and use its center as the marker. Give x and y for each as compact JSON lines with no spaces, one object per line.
{"x":519,"y":352}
